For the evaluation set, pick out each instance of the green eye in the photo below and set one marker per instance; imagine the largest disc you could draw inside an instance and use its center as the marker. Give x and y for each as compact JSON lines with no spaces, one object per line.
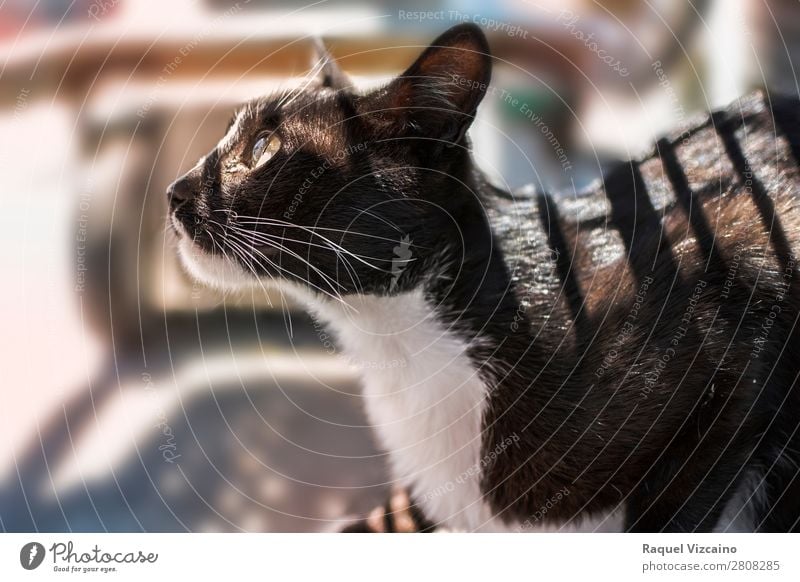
{"x":265,"y":147}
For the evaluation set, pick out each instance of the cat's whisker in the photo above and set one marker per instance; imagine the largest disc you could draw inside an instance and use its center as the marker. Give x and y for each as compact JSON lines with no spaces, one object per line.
{"x":312,"y":74}
{"x":221,"y":248}
{"x":257,"y":221}
{"x":270,"y":262}
{"x":339,"y":247}
{"x":247,"y":262}
{"x":256,"y":235}
{"x":331,"y":282}
{"x":325,"y":277}
{"x":261,"y":256}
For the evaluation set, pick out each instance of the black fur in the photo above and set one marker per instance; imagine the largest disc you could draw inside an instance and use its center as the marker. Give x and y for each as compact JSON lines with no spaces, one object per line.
{"x":664,"y":405}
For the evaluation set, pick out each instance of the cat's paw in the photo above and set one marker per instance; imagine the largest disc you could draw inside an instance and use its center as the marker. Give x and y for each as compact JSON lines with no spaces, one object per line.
{"x":399,"y":515}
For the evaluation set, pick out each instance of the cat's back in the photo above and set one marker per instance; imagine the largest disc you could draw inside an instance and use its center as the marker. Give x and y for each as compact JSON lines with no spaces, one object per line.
{"x":722,"y":189}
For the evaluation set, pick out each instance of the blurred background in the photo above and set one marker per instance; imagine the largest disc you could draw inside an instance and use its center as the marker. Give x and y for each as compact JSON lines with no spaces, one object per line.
{"x":131,"y":399}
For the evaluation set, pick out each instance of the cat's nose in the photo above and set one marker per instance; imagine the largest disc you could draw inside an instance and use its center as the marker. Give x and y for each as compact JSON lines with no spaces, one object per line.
{"x":180,"y":190}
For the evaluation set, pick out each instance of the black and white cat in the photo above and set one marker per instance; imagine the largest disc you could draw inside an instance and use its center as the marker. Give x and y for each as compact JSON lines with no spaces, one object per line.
{"x":530,"y":361}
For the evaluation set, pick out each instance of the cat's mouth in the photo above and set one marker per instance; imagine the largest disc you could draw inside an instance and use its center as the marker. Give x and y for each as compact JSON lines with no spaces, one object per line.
{"x":208,"y":236}
{"x":219,"y":257}
{"x":191,"y":227}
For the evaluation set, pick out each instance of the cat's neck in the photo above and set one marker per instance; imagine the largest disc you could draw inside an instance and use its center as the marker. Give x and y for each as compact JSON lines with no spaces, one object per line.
{"x":466,"y":285}
{"x":480,"y":292}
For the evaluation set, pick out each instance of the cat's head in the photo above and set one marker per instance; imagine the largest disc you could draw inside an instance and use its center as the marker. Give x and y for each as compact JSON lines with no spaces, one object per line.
{"x":336,"y":191}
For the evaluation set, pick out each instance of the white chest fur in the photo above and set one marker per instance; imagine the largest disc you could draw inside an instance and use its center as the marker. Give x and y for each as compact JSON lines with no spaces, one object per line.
{"x":421,"y":392}
{"x":424,"y":398}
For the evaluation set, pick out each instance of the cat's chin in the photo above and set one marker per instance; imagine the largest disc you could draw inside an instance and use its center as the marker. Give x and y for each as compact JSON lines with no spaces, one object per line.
{"x":225,"y":275}
{"x":213,"y":270}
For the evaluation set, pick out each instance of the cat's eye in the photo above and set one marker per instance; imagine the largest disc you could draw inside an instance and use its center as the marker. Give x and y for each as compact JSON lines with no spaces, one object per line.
{"x":265,"y":147}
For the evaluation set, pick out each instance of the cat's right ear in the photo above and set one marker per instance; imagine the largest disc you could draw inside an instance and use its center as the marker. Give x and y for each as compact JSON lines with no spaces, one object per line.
{"x":437,"y":97}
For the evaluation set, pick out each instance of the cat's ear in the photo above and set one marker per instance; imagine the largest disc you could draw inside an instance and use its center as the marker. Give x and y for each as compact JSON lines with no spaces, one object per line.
{"x":328,"y":71}
{"x":439,"y":94}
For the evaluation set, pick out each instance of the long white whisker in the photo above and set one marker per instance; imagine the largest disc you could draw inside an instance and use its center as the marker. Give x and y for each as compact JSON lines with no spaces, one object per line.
{"x":244,"y":259}
{"x":325,"y":277}
{"x":217,"y":245}
{"x":262,"y":256}
{"x":256,"y":220}
{"x":312,"y":74}
{"x":261,"y":236}
{"x":339,"y":247}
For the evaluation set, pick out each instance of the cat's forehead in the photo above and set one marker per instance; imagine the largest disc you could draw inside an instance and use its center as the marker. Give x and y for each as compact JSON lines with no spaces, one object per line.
{"x":300,"y":114}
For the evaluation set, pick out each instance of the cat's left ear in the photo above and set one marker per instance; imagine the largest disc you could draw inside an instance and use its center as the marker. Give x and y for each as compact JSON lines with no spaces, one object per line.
{"x":330,"y":75}
{"x":438,"y":96}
